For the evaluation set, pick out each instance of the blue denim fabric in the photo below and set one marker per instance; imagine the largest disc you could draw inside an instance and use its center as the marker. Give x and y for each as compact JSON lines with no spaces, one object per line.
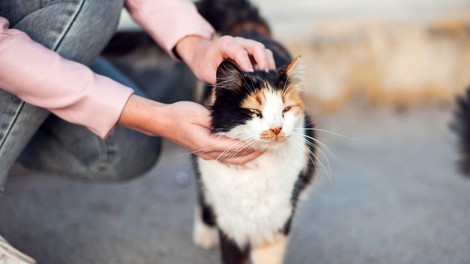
{"x":77,"y":30}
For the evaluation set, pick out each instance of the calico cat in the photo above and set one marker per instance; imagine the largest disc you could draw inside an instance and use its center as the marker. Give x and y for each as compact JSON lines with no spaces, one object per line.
{"x":249,"y":209}
{"x":461,"y":126}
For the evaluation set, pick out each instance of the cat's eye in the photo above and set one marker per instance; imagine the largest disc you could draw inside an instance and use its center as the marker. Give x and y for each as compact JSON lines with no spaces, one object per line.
{"x":286,"y":109}
{"x":256,"y":112}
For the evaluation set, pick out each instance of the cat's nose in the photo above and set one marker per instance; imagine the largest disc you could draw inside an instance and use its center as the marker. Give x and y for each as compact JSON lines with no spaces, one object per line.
{"x":276,"y":130}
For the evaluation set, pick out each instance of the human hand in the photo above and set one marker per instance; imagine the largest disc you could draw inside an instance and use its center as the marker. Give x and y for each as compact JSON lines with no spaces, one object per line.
{"x":203,"y":56}
{"x":192,"y":131}
{"x":187,"y":124}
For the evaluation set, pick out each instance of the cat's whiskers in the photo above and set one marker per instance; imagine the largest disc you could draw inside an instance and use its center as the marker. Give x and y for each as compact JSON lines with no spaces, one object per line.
{"x":322,"y":153}
{"x":316,"y":140}
{"x":250,"y":142}
{"x":201,"y":151}
{"x":327,"y":131}
{"x":229,"y":153}
{"x":245,"y":151}
{"x":227,"y":150}
{"x":310,"y":154}
{"x":230,"y":149}
{"x":197,"y":152}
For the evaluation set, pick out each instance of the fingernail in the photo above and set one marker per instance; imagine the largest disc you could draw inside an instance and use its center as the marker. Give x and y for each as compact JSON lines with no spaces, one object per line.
{"x":249,"y":66}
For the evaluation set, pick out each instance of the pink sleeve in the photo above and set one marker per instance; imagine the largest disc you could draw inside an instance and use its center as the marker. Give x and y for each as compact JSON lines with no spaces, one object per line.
{"x":168,"y":21}
{"x":68,"y":89}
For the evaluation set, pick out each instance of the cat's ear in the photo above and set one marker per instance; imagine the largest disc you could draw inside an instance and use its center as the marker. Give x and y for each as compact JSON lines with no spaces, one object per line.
{"x":293,"y":67}
{"x":293,"y":74}
{"x":229,"y":76}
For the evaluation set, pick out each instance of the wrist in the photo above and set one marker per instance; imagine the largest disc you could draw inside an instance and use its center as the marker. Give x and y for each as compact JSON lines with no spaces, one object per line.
{"x":187,"y":46}
{"x":143,"y":115}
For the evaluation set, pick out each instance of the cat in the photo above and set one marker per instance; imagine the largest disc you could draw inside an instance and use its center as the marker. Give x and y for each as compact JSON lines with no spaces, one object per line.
{"x":248,"y":210}
{"x":461,"y":126}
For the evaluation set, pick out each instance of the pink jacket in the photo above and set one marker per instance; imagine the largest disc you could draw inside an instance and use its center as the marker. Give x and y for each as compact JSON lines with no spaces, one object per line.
{"x":71,"y":90}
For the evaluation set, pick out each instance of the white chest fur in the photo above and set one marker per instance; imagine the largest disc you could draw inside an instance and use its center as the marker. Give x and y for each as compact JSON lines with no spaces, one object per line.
{"x":252,"y":204}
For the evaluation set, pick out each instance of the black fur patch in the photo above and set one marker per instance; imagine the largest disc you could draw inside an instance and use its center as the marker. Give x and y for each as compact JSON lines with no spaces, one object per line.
{"x":224,"y":15}
{"x":461,"y":125}
{"x":306,"y":176}
{"x":208,"y":215}
{"x":226,"y":111}
{"x":287,"y":226}
{"x":231,"y":253}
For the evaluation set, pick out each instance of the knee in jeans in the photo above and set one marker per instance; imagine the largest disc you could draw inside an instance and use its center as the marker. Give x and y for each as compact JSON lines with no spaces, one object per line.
{"x":100,"y":11}
{"x":76,"y":29}
{"x":125,"y":167}
{"x":98,"y":23}
{"x":100,"y":17}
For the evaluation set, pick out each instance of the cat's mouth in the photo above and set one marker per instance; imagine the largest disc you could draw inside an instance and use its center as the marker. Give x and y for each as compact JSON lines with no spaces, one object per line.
{"x":275,"y":142}
{"x":273,"y":139}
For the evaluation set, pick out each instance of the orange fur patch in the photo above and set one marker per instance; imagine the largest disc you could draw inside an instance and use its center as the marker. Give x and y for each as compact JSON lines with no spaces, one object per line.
{"x":278,"y":238}
{"x":290,"y":97}
{"x":255,"y":100}
{"x":270,"y":252}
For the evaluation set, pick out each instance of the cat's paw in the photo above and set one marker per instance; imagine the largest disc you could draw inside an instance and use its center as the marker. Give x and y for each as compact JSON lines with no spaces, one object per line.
{"x":204,"y":236}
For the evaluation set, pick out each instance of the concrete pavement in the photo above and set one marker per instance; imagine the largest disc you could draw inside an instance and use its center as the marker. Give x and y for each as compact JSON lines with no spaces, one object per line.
{"x":392,"y":195}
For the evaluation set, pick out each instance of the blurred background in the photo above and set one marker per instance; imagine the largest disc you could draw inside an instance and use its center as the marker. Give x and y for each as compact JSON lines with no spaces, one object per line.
{"x":381,"y":77}
{"x":399,"y":52}
{"x":388,"y":52}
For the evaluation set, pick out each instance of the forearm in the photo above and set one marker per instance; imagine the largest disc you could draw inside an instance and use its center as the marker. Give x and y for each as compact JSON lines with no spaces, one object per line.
{"x":169,"y":21}
{"x":68,"y":89}
{"x":144,"y":115}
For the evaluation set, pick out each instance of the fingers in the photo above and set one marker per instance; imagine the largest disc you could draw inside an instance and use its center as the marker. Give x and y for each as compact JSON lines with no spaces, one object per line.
{"x":241,"y":160}
{"x":263,"y":57}
{"x":240,"y":49}
{"x":203,"y":56}
{"x":231,"y":49}
{"x":230,"y":158}
{"x":229,"y":151}
{"x":272,"y":63}
{"x":221,"y":147}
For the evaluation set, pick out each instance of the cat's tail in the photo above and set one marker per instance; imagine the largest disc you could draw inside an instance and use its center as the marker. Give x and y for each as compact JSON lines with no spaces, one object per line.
{"x":461,"y":126}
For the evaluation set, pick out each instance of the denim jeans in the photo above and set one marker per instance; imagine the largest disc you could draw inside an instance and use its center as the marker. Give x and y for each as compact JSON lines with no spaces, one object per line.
{"x":78,"y":30}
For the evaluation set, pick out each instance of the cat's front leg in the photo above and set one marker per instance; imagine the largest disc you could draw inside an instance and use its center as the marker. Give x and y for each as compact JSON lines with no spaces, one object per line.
{"x":270,"y":252}
{"x":205,"y":234}
{"x":231,"y":252}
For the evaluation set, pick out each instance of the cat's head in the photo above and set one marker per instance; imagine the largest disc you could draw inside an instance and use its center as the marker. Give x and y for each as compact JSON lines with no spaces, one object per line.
{"x":261,"y":108}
